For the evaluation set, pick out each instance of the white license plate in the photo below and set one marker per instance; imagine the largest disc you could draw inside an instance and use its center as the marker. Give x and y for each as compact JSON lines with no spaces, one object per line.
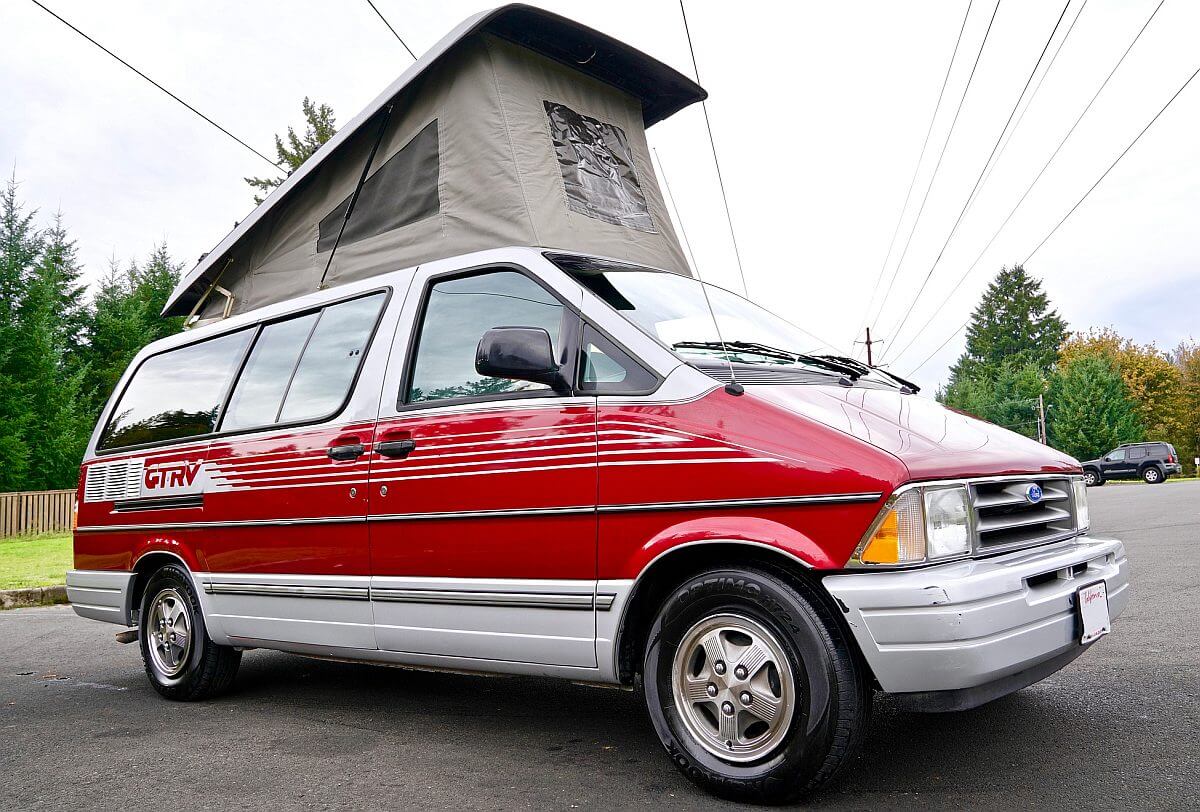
{"x":1092,"y":601}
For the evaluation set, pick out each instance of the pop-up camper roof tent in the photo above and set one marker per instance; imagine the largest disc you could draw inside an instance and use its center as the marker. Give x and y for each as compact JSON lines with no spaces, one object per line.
{"x":519,"y":128}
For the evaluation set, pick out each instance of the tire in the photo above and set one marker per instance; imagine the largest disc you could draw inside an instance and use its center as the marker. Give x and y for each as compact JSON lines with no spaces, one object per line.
{"x":181,"y":661}
{"x":804,"y":672}
{"x":1092,"y":478}
{"x":1151,"y":475}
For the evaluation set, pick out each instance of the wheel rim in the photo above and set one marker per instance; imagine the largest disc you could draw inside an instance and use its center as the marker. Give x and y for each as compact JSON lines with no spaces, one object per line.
{"x":734,"y":687}
{"x":1151,"y":475}
{"x":169,"y":632}
{"x":1090,"y":479}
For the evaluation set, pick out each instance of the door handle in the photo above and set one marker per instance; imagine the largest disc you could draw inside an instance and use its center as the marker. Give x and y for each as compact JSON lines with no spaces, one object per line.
{"x":396,"y":449}
{"x":346,"y":448}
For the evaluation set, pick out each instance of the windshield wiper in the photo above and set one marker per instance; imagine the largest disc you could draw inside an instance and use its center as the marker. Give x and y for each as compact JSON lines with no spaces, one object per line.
{"x":904,"y":384}
{"x":829,"y":363}
{"x":744,"y":346}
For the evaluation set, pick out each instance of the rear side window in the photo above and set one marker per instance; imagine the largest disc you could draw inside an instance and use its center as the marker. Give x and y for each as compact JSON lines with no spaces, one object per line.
{"x":302,"y":368}
{"x":457,"y":314}
{"x":176,"y":394}
{"x":1139,"y":452}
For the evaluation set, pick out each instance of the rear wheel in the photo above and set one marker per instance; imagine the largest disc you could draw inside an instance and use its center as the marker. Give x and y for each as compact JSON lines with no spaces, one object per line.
{"x":1092,"y":478}
{"x":180,"y":659}
{"x":1151,"y":475}
{"x":752,"y":687}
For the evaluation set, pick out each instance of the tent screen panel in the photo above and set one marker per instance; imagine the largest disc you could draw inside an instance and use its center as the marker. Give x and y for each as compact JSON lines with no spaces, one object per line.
{"x":402,"y":191}
{"x":457,"y":314}
{"x":597,"y":169}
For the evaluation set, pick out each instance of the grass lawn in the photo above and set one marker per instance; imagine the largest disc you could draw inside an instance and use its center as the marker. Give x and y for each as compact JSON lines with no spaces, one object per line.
{"x":27,"y":561}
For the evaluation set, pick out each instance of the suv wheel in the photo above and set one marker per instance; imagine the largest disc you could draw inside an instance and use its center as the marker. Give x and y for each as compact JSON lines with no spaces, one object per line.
{"x":1152,"y":475}
{"x":1092,"y":478}
{"x":180,"y":659}
{"x":752,"y":687}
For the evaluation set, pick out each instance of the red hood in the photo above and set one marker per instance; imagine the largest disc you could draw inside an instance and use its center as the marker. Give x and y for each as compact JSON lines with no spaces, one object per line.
{"x":932,"y":441}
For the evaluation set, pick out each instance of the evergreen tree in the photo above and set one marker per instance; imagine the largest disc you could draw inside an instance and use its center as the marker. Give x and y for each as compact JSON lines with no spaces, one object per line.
{"x":1092,"y":411}
{"x":126,"y":317}
{"x":1007,"y":397}
{"x":19,"y":250}
{"x":1014,"y":324}
{"x":319,"y":127}
{"x":59,"y":267}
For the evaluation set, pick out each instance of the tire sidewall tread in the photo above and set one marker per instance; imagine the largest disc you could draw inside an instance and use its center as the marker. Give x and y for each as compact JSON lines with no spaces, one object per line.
{"x":833,"y":698}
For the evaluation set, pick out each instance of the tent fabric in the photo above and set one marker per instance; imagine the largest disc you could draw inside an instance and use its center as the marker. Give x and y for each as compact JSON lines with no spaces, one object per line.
{"x":490,"y":144}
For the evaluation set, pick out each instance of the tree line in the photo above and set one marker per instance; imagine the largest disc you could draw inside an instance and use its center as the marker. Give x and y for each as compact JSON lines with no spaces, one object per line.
{"x":1100,"y":388}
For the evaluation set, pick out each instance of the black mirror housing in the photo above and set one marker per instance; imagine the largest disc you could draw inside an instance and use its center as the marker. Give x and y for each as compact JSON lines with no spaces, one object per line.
{"x":520,"y":354}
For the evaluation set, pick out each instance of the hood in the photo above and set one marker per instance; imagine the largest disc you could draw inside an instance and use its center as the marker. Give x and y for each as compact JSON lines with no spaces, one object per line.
{"x":932,"y":441}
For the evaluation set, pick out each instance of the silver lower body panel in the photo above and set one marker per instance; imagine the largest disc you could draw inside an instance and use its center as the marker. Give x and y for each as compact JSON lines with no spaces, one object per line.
{"x":100,"y":595}
{"x":967,"y":624}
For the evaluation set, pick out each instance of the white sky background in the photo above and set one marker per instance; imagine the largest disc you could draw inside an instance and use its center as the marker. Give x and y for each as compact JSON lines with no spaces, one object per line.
{"x":819,"y":111}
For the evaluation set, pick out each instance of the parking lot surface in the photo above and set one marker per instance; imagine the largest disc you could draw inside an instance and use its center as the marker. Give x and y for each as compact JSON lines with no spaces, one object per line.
{"x":80,"y":725}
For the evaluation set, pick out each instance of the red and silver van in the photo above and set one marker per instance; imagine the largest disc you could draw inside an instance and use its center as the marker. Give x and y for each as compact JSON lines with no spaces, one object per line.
{"x":534,"y":463}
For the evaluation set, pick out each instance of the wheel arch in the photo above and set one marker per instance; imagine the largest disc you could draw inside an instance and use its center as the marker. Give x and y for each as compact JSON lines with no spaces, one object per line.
{"x":671,"y":567}
{"x":144,"y":568}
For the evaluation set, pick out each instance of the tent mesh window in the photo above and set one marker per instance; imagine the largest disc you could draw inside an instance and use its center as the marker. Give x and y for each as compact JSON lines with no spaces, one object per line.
{"x":597,"y":169}
{"x":402,"y":191}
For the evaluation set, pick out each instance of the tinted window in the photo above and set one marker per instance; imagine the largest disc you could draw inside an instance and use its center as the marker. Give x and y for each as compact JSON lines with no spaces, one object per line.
{"x":457,"y":314}
{"x":331,"y":359}
{"x":1139,"y":453}
{"x":609,"y":369}
{"x":176,"y":394}
{"x":261,"y":386}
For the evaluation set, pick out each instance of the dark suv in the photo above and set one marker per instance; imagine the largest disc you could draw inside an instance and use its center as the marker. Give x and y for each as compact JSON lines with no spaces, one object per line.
{"x":1153,"y":462}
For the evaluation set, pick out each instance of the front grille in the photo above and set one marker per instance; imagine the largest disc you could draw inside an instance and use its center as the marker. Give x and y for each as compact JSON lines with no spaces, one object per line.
{"x":1006,"y":517}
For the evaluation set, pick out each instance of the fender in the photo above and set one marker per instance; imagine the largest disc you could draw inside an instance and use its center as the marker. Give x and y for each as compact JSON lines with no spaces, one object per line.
{"x":177,"y":551}
{"x":729,"y":529}
{"x":166,"y":544}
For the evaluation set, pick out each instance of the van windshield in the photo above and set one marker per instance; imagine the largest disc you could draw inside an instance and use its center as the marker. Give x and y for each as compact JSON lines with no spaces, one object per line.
{"x":672,"y":308}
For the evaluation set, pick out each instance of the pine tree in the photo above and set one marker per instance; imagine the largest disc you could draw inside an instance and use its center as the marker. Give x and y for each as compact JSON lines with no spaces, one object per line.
{"x":1014,"y":324}
{"x":319,"y":127}
{"x":19,"y":250}
{"x":1092,"y":411}
{"x":59,"y":267}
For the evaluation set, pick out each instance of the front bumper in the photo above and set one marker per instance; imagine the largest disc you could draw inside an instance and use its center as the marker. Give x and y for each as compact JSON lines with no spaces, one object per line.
{"x":974,"y":630}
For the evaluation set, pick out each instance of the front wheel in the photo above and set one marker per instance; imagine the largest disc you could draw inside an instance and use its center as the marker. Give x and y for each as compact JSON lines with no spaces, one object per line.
{"x":180,"y":659}
{"x":753,"y":687}
{"x":1092,"y":478}
{"x":1152,"y":476}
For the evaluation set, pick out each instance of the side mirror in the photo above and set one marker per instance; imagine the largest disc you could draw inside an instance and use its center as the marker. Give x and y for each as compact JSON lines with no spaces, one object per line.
{"x":520,"y":354}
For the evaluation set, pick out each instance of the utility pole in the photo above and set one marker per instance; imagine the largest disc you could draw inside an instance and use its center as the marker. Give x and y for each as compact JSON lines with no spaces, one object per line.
{"x":870,"y":343}
{"x":1042,"y":420}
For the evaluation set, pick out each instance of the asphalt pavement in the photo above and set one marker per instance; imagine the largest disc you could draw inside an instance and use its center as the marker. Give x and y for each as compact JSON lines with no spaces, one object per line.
{"x":80,"y":726}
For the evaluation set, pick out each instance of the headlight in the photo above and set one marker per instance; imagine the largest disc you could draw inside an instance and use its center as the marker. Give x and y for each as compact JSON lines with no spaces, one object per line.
{"x":919,"y":525}
{"x":947,"y":532}
{"x":1082,"y":520}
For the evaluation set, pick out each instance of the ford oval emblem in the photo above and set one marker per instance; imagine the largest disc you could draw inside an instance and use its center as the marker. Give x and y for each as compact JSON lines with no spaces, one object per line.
{"x":1033,"y":494}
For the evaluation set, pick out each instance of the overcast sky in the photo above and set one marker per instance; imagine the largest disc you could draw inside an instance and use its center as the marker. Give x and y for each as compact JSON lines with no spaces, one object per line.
{"x":819,"y":111}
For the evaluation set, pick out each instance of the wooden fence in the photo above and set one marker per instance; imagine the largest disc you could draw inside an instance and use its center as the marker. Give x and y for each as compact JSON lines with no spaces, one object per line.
{"x":35,"y":512}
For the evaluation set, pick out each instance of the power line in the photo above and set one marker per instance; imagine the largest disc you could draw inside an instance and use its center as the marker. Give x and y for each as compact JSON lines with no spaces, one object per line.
{"x":938,"y":165}
{"x":916,"y":171}
{"x":1029,"y":102}
{"x":1032,"y":183}
{"x":908,"y":311}
{"x":1091,"y":189}
{"x":712,"y":143}
{"x":156,"y":84}
{"x":389,"y":27}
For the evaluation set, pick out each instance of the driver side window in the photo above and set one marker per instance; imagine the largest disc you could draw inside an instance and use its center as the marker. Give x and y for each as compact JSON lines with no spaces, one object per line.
{"x":1117,"y":456}
{"x":456,"y":314}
